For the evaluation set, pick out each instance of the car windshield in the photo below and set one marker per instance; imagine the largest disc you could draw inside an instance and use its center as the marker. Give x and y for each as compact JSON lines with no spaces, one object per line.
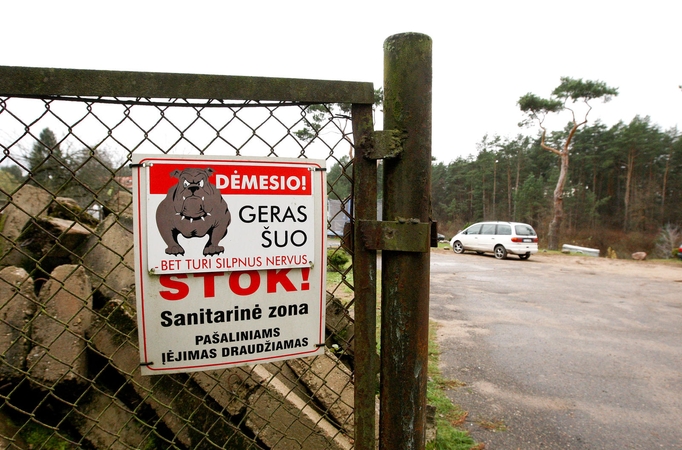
{"x":524,"y":230}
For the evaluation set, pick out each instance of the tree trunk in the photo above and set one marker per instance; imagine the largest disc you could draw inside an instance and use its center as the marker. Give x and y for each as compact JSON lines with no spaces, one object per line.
{"x":555,"y":225}
{"x":494,"y":190}
{"x":516,"y":185}
{"x":665,"y":184}
{"x":509,"y":190}
{"x":593,"y":218}
{"x":628,"y":184}
{"x":485,"y":217}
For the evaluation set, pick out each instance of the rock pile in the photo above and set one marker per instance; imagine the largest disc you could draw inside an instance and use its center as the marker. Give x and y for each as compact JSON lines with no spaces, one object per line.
{"x":68,"y":337}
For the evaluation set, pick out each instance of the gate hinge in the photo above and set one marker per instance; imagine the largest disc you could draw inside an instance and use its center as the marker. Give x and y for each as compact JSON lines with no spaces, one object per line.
{"x":403,"y":235}
{"x":384,"y":144}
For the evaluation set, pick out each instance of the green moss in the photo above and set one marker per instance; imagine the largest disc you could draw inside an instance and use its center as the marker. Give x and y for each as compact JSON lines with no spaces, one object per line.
{"x":121,"y":317}
{"x":3,"y":241}
{"x":40,"y":437}
{"x":3,"y":219}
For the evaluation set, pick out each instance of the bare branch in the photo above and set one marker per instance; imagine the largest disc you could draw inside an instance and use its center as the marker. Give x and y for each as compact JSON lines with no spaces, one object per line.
{"x":545,"y":146}
{"x":589,"y":108}
{"x":572,"y":112}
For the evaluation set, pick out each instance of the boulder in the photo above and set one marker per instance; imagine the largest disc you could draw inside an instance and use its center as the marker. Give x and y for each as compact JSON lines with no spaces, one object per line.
{"x":68,"y":209}
{"x":58,"y":355}
{"x":109,"y":255}
{"x":27,"y":203}
{"x":105,"y":422}
{"x":284,"y":420}
{"x":331,"y":383}
{"x":340,"y":325}
{"x":113,"y":335}
{"x":182,"y":405}
{"x":231,"y":387}
{"x":120,"y":203}
{"x":54,"y":241}
{"x":639,"y":256}
{"x":17,"y":307}
{"x":228,"y":387}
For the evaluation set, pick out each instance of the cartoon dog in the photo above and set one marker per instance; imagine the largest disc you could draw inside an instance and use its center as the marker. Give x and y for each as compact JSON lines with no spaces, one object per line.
{"x":194,"y":208}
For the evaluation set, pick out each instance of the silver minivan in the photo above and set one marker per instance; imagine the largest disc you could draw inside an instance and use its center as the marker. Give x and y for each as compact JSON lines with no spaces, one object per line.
{"x":498,"y":238}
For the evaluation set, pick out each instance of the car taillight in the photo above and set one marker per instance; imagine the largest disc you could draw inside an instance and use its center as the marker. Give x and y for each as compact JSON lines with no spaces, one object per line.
{"x":526,"y":239}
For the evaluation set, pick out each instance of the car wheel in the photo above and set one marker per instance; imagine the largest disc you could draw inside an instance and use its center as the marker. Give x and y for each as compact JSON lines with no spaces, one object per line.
{"x":524,"y":256}
{"x":457,"y":247}
{"x":500,"y":252}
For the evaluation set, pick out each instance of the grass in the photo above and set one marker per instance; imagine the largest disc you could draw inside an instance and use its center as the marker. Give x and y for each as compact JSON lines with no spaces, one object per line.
{"x":449,"y":417}
{"x":339,"y":284}
{"x":444,"y":245}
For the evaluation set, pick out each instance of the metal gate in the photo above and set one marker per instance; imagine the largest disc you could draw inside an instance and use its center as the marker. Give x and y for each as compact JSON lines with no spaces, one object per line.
{"x":69,"y":363}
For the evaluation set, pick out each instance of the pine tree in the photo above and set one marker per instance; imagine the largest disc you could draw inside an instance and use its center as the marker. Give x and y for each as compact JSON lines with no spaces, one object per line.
{"x":46,"y":162}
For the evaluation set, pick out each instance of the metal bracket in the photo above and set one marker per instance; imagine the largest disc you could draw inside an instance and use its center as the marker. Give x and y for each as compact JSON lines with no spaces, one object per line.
{"x":384,"y":144}
{"x":404,"y":235}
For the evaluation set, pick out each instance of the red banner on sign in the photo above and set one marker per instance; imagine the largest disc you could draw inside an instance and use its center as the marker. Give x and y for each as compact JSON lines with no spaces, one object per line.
{"x":247,"y":179}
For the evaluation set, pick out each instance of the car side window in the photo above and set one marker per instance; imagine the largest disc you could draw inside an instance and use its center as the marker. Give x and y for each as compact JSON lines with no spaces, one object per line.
{"x":488,"y":228}
{"x":474,"y":229}
{"x":524,"y":230}
{"x":504,"y":230}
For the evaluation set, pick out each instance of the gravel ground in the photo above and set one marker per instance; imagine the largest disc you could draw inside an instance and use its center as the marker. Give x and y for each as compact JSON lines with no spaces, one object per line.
{"x":562,"y":352}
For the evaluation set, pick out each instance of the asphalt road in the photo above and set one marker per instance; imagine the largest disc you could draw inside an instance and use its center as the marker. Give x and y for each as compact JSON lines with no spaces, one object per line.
{"x":561,"y":352}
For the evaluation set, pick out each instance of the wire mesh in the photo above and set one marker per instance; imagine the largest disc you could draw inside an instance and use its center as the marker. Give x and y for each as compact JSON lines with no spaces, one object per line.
{"x":69,"y":362}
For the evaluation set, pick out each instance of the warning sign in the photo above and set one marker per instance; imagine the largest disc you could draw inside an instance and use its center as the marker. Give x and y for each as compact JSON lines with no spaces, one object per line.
{"x":230,"y":260}
{"x":229,"y":215}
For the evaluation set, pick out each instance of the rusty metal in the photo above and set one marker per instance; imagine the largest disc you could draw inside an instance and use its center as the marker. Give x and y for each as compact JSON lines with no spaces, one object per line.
{"x":266,"y":406}
{"x":407,"y":235}
{"x":365,"y":277}
{"x":101,"y":83}
{"x":385,"y":144}
{"x":405,"y":275}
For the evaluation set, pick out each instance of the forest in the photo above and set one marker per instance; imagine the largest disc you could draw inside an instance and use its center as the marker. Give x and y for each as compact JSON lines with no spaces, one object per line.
{"x":86,"y":175}
{"x":623,"y":189}
{"x":616,"y":188}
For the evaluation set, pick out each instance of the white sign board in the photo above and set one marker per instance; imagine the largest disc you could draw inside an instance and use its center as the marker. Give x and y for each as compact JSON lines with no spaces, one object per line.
{"x":230,"y":260}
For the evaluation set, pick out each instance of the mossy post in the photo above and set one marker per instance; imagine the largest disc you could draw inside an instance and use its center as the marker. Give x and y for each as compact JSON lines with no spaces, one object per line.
{"x":405,"y":274}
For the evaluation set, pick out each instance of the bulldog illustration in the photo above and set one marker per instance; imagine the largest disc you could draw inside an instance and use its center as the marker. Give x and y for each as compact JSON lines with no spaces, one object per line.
{"x":193,"y":208}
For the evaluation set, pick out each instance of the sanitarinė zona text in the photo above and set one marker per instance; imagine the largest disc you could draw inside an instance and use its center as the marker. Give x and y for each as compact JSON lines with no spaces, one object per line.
{"x":209,"y":316}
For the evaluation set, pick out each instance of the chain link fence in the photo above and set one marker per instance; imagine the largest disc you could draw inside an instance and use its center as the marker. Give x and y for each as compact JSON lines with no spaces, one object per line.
{"x":69,"y":359}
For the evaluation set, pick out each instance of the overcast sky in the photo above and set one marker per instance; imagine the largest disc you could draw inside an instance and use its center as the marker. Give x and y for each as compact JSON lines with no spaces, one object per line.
{"x":485,"y":54}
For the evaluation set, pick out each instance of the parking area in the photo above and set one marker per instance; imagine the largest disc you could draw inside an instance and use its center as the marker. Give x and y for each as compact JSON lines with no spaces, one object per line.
{"x":562,"y":352}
